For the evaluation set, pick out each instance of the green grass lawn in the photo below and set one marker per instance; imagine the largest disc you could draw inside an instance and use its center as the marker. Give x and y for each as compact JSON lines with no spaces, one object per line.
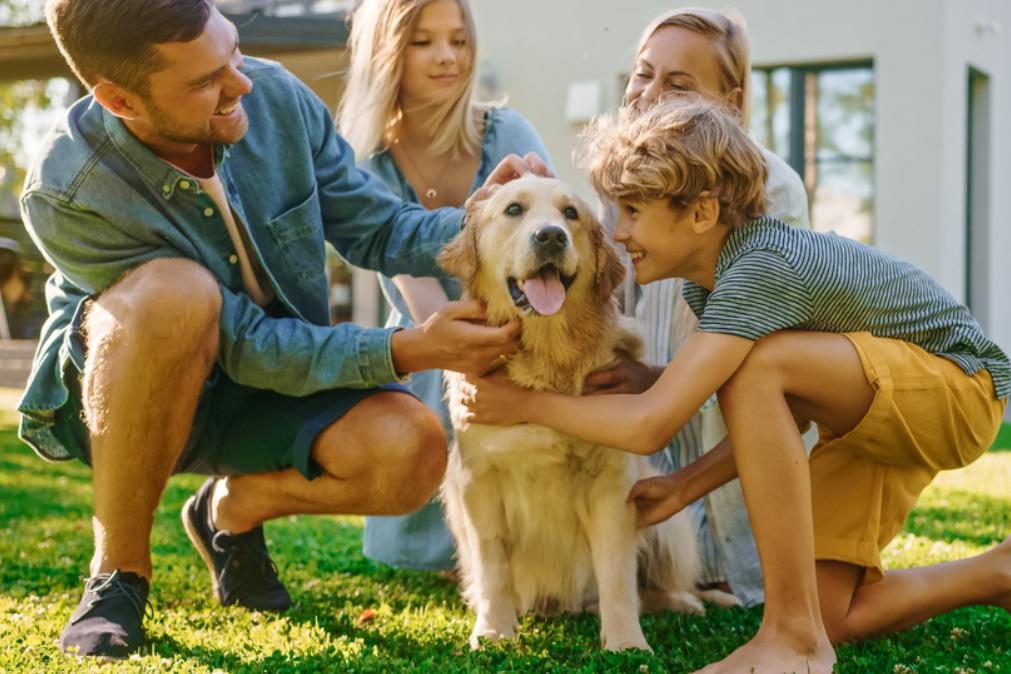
{"x":351,"y":615}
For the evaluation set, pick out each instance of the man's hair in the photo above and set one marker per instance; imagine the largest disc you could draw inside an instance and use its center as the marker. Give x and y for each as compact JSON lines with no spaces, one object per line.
{"x":116,"y":39}
{"x":678,"y":150}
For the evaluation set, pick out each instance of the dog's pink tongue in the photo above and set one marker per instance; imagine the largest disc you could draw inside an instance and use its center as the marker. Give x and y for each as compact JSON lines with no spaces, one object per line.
{"x":545,"y":292}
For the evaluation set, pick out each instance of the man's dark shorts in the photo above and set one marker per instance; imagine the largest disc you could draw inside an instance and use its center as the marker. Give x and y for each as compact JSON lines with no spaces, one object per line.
{"x":237,"y":429}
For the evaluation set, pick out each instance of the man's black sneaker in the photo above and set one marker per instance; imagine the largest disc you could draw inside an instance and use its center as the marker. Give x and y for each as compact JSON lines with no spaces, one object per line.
{"x":108,"y":621}
{"x":241,"y":570}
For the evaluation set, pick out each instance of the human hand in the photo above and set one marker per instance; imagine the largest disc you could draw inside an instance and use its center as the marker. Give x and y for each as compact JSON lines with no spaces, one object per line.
{"x":626,"y":376}
{"x":656,"y":499}
{"x":495,"y":400}
{"x":455,"y":338}
{"x":513,"y":166}
{"x":510,"y":168}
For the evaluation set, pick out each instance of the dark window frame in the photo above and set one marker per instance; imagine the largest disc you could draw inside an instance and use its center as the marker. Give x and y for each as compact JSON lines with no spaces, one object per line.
{"x":802,"y":151}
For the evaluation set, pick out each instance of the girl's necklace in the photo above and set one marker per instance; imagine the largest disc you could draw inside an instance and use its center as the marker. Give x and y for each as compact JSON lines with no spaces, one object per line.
{"x":431,"y":193}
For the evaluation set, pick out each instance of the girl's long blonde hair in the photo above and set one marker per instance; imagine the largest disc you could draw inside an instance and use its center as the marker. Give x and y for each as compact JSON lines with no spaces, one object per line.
{"x":370,"y":108}
{"x":729,"y":34}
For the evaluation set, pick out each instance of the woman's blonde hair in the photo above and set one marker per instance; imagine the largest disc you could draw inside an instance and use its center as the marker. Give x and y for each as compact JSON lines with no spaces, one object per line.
{"x":370,"y":107}
{"x":729,"y":35}
{"x":678,"y":150}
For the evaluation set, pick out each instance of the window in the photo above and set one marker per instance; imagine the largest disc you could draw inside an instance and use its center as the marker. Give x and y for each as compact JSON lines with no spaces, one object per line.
{"x":820,"y":119}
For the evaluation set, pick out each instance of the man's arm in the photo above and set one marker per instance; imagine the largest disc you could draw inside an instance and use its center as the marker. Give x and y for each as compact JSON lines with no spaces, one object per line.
{"x":288,"y":355}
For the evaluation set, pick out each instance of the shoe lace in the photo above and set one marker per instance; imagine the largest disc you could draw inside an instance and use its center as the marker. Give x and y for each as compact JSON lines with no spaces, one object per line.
{"x":247,"y":564}
{"x":110,"y":586}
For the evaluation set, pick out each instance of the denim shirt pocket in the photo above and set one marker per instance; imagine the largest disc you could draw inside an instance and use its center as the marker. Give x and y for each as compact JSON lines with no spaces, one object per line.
{"x":298,"y":233}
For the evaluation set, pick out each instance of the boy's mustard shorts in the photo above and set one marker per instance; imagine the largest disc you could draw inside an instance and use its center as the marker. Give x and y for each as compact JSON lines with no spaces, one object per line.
{"x":927,"y":415}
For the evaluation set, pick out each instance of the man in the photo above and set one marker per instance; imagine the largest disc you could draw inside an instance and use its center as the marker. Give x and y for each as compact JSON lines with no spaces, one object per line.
{"x":184,"y":205}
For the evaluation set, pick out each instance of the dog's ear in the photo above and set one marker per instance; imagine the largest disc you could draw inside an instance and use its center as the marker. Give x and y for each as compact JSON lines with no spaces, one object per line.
{"x":610,"y":269}
{"x":459,"y":257}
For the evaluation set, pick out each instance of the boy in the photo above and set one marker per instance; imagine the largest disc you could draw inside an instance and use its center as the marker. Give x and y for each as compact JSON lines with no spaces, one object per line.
{"x":795,"y":326}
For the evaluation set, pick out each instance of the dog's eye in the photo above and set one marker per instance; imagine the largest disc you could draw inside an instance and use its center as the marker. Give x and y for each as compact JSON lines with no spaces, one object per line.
{"x":514,"y":209}
{"x":570,"y":213}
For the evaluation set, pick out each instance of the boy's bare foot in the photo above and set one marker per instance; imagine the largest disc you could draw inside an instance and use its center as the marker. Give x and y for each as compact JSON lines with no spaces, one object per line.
{"x":768,"y":655}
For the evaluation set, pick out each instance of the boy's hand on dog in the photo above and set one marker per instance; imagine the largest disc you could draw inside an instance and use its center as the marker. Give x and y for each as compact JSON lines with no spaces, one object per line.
{"x":455,"y":338}
{"x":493,"y":399}
{"x":626,"y":376}
{"x":656,"y":499}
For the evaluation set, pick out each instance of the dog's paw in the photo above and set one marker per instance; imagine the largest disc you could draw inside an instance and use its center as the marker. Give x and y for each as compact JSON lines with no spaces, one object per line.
{"x":486,"y":631}
{"x":626,"y":642}
{"x":685,"y":602}
{"x":719,"y":597}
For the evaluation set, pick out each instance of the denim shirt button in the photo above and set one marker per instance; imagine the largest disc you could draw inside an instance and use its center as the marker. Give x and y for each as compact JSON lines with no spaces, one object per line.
{"x":232,"y":259}
{"x":208,"y":212}
{"x":166,"y":188}
{"x":184,"y":184}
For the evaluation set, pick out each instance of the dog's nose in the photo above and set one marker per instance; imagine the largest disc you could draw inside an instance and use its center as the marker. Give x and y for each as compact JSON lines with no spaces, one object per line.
{"x":550,"y":239}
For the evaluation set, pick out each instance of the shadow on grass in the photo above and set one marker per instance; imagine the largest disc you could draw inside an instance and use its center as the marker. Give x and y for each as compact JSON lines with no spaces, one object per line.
{"x":222,"y":660}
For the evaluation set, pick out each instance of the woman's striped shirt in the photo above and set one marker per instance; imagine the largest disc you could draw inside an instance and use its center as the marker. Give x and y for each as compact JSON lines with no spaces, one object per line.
{"x":773,"y":277}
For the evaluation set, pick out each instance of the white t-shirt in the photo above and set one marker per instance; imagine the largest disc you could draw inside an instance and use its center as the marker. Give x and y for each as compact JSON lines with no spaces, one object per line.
{"x":253,"y":277}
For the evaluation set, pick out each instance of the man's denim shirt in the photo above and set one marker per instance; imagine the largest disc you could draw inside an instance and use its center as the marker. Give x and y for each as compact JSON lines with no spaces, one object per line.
{"x":98,"y":203}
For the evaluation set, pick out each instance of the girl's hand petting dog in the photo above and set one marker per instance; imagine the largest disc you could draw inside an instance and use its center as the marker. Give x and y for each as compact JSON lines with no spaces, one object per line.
{"x":657,"y":498}
{"x":493,"y":399}
{"x":510,"y":168}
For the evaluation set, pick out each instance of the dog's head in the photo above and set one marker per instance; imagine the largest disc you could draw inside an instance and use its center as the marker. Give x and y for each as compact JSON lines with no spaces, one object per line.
{"x":532,"y":248}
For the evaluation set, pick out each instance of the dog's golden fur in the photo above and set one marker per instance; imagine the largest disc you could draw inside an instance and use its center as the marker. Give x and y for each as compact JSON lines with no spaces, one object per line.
{"x":540,"y":518}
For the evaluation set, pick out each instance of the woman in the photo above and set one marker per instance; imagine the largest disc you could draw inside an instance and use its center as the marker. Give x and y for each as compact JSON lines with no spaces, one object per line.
{"x":410,"y":113}
{"x":702,"y":52}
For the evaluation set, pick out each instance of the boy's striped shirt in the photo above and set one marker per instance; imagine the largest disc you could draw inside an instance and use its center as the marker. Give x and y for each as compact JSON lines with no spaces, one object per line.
{"x":773,"y":277}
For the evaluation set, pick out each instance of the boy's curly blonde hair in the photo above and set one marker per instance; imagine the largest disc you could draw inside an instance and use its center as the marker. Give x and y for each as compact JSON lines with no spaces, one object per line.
{"x":678,"y":150}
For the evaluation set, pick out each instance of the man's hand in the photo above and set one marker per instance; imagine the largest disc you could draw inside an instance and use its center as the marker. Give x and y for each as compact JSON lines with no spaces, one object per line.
{"x":495,"y":400}
{"x":656,"y":499}
{"x":626,"y":376}
{"x":454,"y":338}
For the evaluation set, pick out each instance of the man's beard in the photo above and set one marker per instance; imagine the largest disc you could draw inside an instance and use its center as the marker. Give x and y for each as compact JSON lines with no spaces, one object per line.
{"x":172,"y":131}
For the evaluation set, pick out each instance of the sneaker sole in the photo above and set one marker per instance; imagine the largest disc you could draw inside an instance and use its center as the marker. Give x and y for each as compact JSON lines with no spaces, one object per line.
{"x":198,"y":543}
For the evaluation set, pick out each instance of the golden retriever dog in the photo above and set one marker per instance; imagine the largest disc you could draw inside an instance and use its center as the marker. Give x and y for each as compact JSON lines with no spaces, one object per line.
{"x":540,"y":519}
